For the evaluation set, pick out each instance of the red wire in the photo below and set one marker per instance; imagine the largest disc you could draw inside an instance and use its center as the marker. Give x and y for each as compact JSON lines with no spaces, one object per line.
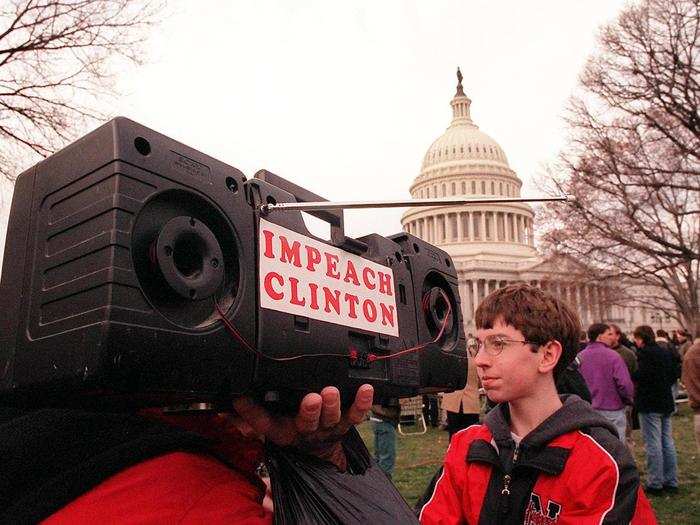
{"x":232,"y":330}
{"x":353,"y":353}
{"x":424,"y":303}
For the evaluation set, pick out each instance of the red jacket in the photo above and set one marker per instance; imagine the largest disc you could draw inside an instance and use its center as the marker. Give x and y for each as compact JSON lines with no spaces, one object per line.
{"x":178,"y":487}
{"x":64,"y":466}
{"x":571,"y":470}
{"x":181,"y":486}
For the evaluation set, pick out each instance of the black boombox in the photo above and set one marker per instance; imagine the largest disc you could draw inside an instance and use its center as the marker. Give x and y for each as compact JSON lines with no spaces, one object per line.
{"x":137,"y":267}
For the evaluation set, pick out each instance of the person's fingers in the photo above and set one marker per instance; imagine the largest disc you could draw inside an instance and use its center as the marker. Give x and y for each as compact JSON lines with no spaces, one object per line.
{"x":330,"y":407}
{"x":253,"y":414}
{"x":362,"y":405}
{"x":309,"y":414}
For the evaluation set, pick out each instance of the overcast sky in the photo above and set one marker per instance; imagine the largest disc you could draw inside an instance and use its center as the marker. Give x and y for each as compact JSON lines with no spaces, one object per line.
{"x":344,"y":98}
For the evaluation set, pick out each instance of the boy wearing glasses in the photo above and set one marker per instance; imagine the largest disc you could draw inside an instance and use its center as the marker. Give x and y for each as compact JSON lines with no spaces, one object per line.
{"x":538,"y":458}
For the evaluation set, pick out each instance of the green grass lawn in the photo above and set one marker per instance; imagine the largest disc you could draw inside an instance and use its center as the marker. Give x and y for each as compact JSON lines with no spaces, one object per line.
{"x":419,"y":456}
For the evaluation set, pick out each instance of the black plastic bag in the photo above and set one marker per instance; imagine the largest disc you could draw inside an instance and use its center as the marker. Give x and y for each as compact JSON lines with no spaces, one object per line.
{"x":306,"y":490}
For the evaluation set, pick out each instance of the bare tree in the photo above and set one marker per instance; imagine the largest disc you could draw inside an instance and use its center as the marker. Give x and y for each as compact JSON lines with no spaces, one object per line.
{"x":55,"y":62}
{"x":632,"y":164}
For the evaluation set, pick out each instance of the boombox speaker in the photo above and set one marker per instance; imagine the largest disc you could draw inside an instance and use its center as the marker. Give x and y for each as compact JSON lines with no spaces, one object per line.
{"x":125,"y":250}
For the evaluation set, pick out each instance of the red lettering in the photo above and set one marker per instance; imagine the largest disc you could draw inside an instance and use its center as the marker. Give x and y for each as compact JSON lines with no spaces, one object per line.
{"x":313,"y":257}
{"x":331,"y":298}
{"x":268,"y":285}
{"x":331,"y":270}
{"x":352,"y":301}
{"x":268,"y":244}
{"x":387,"y":314}
{"x":313,"y":287}
{"x":290,"y":253}
{"x":370,"y":310}
{"x":295,"y":292}
{"x":385,"y":283}
{"x":351,"y":274}
{"x":365,"y":273}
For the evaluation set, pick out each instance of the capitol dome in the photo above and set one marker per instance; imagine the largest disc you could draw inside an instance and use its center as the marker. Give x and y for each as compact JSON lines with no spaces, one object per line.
{"x":465,"y":161}
{"x":491,"y":244}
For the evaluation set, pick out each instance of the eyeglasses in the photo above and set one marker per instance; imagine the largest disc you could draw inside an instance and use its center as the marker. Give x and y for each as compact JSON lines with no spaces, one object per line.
{"x":494,"y":345}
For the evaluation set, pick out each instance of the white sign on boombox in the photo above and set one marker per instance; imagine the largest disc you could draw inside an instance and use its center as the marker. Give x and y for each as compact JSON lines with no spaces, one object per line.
{"x":302,"y":276}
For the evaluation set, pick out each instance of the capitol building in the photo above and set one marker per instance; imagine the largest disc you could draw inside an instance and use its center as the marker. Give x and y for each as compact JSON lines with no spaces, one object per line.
{"x":492,"y":244}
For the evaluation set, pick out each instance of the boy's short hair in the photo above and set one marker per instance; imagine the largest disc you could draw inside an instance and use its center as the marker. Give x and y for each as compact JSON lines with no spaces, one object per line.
{"x":540,"y":316}
{"x":645,"y":333}
{"x":595,"y":330}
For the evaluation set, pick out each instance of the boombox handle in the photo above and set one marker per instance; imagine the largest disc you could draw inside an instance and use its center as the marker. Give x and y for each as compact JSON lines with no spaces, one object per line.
{"x":333,"y":217}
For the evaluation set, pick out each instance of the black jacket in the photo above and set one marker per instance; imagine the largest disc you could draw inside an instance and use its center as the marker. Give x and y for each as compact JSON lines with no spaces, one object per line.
{"x":653,"y":380}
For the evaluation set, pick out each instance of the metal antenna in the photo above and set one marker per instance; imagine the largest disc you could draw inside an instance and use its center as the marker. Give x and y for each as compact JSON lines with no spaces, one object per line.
{"x":451,"y":201}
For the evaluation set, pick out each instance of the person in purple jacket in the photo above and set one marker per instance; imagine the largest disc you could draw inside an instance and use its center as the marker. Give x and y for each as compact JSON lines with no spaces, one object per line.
{"x":606,"y":376}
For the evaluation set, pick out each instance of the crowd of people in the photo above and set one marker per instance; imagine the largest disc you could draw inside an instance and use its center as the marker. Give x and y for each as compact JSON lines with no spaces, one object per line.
{"x":636,"y":385}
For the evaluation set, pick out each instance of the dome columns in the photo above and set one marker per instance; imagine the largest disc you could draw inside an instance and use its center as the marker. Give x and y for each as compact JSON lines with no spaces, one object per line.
{"x":472,"y":226}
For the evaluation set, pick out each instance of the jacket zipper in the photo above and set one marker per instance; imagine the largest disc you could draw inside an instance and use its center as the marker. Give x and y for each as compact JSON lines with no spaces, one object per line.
{"x":507,"y":478}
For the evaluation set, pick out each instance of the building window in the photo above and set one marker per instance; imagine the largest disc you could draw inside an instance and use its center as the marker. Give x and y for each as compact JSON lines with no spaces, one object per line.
{"x":500,"y":188}
{"x":501,"y":227}
{"x":518,"y":227}
{"x":464,"y":188}
{"x":441,"y":227}
{"x":465,"y":225}
{"x":493,"y":188}
{"x":428,"y":190}
{"x":476,"y":224}
{"x":507,"y":190}
{"x":473,"y":187}
{"x":511,"y":221}
{"x":488,"y":227}
{"x":453,"y":226}
{"x":527,"y":232}
{"x":483,"y":187}
{"x":444,"y":189}
{"x":435,"y":193}
{"x":454,"y":188}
